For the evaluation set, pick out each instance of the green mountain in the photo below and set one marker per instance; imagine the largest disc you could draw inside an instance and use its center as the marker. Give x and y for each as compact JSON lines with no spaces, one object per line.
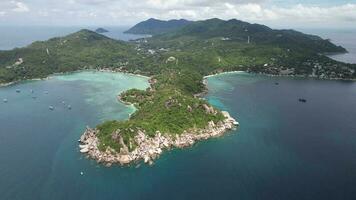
{"x":241,"y":31}
{"x":154,"y":26}
{"x":81,"y":50}
{"x":215,"y":45}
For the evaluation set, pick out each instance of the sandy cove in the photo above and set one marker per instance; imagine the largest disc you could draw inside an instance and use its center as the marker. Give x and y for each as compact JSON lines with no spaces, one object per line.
{"x":149,"y":148}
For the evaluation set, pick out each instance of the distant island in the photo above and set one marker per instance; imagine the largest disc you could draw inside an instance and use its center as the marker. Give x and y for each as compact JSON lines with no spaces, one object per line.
{"x":101,"y":30}
{"x":171,"y":113}
{"x":154,"y":26}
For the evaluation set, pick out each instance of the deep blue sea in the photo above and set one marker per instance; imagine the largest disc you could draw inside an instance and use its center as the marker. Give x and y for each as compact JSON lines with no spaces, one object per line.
{"x":284,"y":149}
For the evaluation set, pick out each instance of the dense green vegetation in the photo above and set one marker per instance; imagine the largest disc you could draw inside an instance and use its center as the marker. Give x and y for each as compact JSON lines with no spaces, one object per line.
{"x":177,"y":60}
{"x":82,"y":50}
{"x":168,"y":111}
{"x":154,"y":26}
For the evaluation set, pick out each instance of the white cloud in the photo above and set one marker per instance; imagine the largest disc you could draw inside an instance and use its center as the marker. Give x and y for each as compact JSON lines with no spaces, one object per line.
{"x":300,"y":12}
{"x":13,"y":6}
{"x":116,"y":12}
{"x":19,"y":7}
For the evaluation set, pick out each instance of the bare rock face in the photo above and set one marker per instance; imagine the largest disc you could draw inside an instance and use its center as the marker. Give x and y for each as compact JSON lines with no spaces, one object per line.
{"x":209,"y":109}
{"x":150,"y":148}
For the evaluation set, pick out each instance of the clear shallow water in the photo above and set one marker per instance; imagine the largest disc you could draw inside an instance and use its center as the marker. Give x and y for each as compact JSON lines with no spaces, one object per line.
{"x":283,"y":150}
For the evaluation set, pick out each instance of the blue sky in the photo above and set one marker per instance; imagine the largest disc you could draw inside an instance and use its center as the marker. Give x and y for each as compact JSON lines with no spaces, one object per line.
{"x":277,"y":13}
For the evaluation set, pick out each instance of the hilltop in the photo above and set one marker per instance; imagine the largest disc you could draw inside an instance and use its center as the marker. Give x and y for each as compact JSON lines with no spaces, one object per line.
{"x":154,"y":26}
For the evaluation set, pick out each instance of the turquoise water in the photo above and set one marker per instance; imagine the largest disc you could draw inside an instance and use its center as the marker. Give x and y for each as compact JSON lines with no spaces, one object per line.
{"x":284,"y":149}
{"x":38,"y":147}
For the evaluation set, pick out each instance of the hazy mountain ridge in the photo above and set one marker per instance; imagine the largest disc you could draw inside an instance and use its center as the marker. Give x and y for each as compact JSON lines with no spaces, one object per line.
{"x":154,"y":26}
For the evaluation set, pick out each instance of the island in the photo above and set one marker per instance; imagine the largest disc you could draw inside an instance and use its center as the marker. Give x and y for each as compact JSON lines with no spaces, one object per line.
{"x":171,"y":113}
{"x":101,"y":30}
{"x":155,"y":26}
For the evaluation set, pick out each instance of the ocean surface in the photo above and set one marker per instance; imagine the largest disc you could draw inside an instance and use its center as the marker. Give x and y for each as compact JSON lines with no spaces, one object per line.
{"x":284,"y":149}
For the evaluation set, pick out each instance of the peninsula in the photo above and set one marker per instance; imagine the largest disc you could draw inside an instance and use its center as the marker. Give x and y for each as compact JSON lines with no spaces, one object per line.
{"x":171,"y":113}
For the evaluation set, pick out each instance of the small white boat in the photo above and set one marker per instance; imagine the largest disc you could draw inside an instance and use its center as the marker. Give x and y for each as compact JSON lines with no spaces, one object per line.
{"x":4,"y":100}
{"x":51,"y":107}
{"x":84,"y":150}
{"x":82,"y":173}
{"x":69,"y":107}
{"x":83,"y":146}
{"x":46,"y":92}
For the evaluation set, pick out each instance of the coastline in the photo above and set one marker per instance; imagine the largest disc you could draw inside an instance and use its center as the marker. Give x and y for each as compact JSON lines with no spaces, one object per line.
{"x":222,"y":73}
{"x":150,"y":148}
{"x":20,"y":81}
{"x":72,"y":72}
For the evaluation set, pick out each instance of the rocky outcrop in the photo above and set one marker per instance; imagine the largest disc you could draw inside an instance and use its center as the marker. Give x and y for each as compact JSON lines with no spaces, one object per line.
{"x":150,"y":148}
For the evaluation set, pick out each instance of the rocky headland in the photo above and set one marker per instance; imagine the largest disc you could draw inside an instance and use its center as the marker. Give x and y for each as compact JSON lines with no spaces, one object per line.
{"x":150,"y":148}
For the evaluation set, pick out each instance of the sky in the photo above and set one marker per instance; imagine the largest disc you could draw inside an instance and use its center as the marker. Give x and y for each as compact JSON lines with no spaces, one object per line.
{"x":276,"y":13}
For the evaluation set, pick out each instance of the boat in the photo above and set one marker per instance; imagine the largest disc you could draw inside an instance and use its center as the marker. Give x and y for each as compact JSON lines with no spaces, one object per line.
{"x":18,"y":90}
{"x":46,"y":92}
{"x":276,"y":83}
{"x":69,"y":107}
{"x":302,"y":100}
{"x":4,"y":100}
{"x":32,"y":91}
{"x":51,"y":107}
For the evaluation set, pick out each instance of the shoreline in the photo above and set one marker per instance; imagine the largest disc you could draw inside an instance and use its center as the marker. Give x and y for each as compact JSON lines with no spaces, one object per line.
{"x":281,"y":75}
{"x":22,"y":81}
{"x":72,"y":72}
{"x":150,"y":148}
{"x":222,"y":73}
